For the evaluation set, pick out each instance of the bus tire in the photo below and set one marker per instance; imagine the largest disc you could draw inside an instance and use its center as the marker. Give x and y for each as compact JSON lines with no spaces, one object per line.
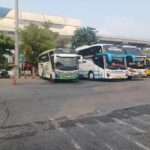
{"x":51,"y":77}
{"x":129,"y":77}
{"x":91,"y":75}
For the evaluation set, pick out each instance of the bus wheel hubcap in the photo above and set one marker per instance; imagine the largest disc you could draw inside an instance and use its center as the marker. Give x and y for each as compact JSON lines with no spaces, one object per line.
{"x":91,"y":76}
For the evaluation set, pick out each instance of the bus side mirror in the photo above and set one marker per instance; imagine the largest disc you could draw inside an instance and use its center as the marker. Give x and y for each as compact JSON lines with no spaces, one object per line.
{"x":80,"y":58}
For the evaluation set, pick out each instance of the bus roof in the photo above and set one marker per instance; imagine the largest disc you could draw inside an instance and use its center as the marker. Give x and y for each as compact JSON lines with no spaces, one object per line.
{"x":59,"y":51}
{"x":89,"y":46}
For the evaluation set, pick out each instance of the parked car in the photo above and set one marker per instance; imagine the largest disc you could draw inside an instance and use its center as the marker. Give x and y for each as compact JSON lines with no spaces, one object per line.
{"x":4,"y":74}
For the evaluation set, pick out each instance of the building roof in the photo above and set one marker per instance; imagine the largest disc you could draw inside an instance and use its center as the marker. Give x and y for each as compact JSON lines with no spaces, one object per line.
{"x":62,"y":25}
{"x":4,"y":11}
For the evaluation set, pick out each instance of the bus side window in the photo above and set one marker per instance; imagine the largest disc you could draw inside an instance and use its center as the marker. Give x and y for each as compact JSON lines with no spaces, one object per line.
{"x":43,"y":58}
{"x":40,"y":59}
{"x":100,"y":50}
{"x":84,"y":52}
{"x":147,"y":63}
{"x":129,"y":60}
{"x":97,"y":49}
{"x":99,"y":61}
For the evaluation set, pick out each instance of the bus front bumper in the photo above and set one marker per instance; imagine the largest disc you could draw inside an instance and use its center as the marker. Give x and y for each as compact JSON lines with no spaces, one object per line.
{"x":67,"y":75}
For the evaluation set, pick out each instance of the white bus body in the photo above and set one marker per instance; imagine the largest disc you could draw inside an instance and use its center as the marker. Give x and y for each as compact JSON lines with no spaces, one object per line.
{"x":56,"y":64}
{"x":138,"y":67}
{"x":93,"y":63}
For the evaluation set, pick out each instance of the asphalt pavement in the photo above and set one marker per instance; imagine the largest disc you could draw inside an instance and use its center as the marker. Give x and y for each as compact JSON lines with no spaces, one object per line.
{"x":86,"y":115}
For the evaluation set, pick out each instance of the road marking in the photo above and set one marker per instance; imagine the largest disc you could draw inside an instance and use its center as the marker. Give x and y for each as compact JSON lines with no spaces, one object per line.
{"x":87,"y":130}
{"x":125,"y":115}
{"x":60,"y":129}
{"x":108,"y":147}
{"x":99,"y":112}
{"x":141,"y":145}
{"x":75,"y":144}
{"x":120,"y":121}
{"x":134,"y":111}
{"x":130,"y":125}
{"x":142,"y":121}
{"x":79,"y":125}
{"x":128,"y":137}
{"x":57,"y":126}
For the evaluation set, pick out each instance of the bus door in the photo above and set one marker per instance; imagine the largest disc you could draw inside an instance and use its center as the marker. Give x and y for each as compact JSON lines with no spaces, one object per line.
{"x":99,"y":62}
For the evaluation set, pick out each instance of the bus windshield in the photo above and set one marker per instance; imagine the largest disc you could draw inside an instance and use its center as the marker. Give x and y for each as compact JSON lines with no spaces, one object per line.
{"x":138,"y":64}
{"x":133,"y":51}
{"x":67,"y":63}
{"x":116,"y":63}
{"x":113,"y":49}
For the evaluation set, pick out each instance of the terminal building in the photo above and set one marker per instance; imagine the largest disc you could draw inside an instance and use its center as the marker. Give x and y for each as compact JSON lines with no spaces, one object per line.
{"x":62,"y":25}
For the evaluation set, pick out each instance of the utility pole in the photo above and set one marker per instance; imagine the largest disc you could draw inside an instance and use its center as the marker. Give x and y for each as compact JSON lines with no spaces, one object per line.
{"x":16,"y":38}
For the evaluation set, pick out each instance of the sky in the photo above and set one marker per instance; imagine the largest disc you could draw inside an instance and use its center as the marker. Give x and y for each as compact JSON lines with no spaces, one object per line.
{"x":125,"y":18}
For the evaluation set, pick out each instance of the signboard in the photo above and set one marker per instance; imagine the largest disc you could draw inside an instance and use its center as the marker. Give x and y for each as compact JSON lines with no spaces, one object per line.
{"x":21,"y":58}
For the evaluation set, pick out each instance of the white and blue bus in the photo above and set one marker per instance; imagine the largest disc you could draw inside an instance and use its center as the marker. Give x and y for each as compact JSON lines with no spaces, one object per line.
{"x":137,"y":68}
{"x":59,"y":64}
{"x":102,"y":61}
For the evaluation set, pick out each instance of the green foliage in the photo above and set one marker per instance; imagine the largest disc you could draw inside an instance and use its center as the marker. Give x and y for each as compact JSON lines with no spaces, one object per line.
{"x":62,"y":41}
{"x":84,"y":36}
{"x":5,"y":43}
{"x":47,"y":24}
{"x":35,"y":40}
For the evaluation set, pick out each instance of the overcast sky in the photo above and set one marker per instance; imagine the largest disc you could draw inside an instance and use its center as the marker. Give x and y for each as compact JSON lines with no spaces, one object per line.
{"x":129,"y":18}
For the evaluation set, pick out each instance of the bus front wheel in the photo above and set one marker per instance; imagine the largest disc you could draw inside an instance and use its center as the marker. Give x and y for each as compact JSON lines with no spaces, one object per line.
{"x":91,"y":76}
{"x":51,"y":78}
{"x":129,"y":77}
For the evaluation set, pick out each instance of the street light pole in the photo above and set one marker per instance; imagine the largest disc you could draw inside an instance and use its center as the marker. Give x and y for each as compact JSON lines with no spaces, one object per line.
{"x":16,"y":38}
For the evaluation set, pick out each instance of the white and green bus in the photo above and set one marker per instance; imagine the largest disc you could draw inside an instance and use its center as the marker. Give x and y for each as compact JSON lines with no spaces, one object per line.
{"x":102,"y":61}
{"x":58,"y":64}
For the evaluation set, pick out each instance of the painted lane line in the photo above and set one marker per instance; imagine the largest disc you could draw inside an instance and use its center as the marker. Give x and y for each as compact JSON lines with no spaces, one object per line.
{"x":142,"y":121}
{"x":130,"y":125}
{"x":75,"y":144}
{"x":79,"y":125}
{"x":60,"y":129}
{"x":134,"y":111}
{"x":57,"y":126}
{"x":128,"y":137}
{"x":141,"y":145}
{"x":86,"y":130}
{"x":108,"y":147}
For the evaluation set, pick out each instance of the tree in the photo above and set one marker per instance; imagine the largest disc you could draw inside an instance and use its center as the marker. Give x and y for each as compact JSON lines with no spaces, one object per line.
{"x":84,"y":36}
{"x":47,"y":24}
{"x":63,"y":41}
{"x":35,"y":40}
{"x":6,"y":43}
